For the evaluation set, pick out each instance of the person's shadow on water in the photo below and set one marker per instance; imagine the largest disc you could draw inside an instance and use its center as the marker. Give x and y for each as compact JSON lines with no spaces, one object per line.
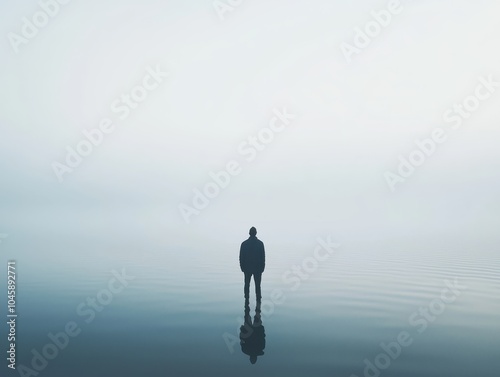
{"x":252,"y":335}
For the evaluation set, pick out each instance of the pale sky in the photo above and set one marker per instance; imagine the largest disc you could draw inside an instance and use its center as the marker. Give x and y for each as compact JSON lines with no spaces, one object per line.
{"x":323,"y":174}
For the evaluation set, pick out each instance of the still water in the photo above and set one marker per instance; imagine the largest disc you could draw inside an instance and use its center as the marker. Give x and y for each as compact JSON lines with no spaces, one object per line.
{"x":378,"y":310}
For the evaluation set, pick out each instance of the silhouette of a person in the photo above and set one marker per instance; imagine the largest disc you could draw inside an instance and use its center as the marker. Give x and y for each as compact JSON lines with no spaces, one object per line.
{"x":252,"y":335}
{"x":252,"y":262}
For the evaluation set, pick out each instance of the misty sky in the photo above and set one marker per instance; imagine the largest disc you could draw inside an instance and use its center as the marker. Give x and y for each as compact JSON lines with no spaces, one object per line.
{"x":323,"y":174}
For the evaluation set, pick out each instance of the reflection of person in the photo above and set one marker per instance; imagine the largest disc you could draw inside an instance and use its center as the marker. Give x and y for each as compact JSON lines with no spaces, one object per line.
{"x":252,"y":335}
{"x":252,"y":262}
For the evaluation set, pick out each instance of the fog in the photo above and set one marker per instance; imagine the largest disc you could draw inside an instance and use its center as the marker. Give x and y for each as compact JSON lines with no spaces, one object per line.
{"x":323,"y":172}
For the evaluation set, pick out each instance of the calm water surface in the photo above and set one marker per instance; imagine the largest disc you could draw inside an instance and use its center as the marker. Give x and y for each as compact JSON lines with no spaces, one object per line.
{"x":181,"y":314}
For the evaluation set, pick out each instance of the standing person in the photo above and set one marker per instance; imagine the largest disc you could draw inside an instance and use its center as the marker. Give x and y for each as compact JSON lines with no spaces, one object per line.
{"x":252,"y":262}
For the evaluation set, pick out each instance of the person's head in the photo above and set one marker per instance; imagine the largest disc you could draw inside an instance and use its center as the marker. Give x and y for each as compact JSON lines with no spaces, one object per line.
{"x":253,"y":359}
{"x":252,"y":231}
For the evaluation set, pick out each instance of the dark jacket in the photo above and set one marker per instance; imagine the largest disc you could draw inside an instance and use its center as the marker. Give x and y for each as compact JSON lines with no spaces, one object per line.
{"x":252,"y":255}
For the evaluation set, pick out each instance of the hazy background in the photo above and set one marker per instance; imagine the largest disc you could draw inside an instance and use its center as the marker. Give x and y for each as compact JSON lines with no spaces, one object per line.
{"x":323,"y":174}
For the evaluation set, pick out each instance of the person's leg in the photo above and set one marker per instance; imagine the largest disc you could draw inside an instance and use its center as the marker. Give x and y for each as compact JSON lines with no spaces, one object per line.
{"x":246,"y":289}
{"x":257,"y":278}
